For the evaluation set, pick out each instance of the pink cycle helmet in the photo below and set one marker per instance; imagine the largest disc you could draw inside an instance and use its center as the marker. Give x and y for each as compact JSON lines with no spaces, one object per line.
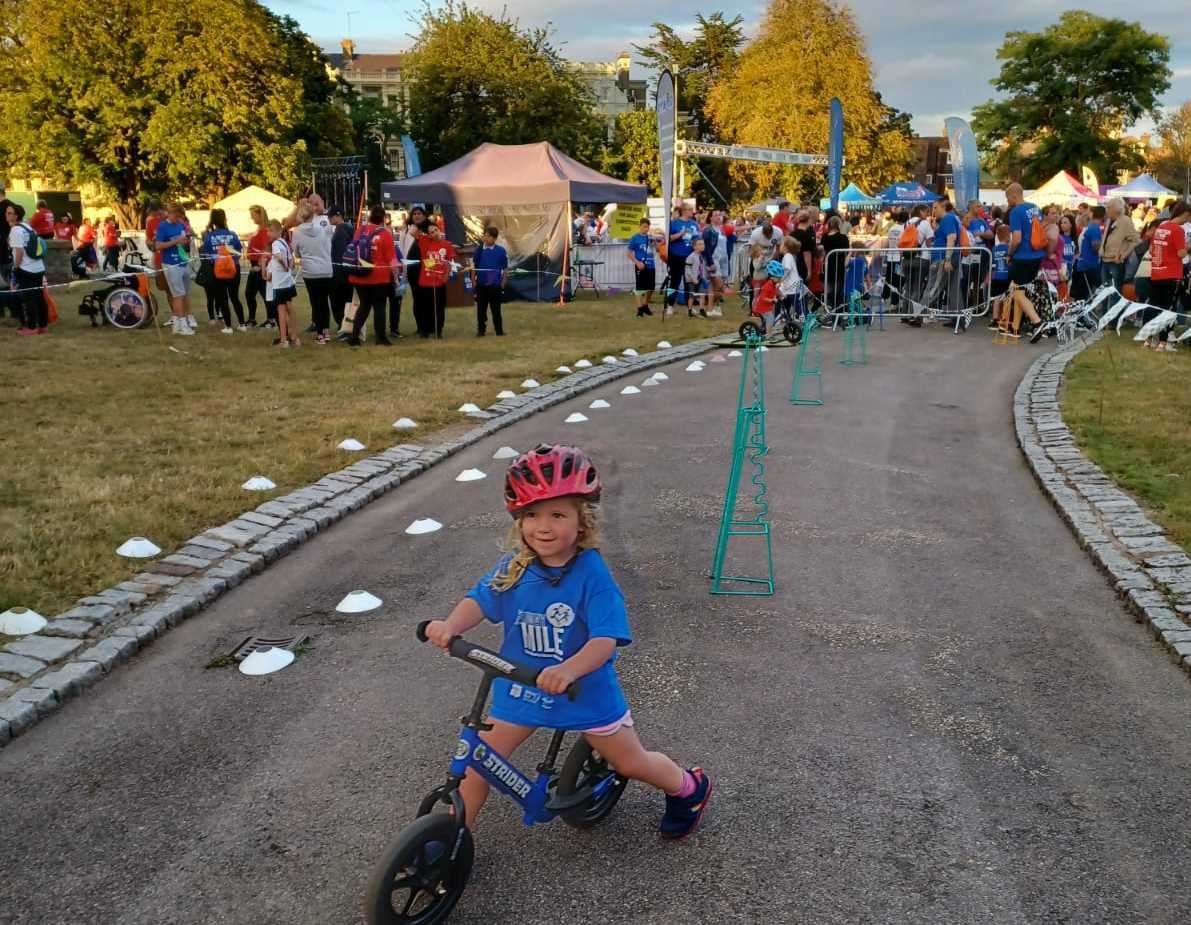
{"x":548,"y":472}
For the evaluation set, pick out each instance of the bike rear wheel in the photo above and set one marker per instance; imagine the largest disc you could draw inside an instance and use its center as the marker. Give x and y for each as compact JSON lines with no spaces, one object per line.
{"x":417,"y":882}
{"x":586,"y":767}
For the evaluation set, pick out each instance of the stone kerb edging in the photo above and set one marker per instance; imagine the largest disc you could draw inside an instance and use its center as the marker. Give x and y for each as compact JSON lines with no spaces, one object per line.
{"x":1150,"y":572}
{"x":40,"y":672}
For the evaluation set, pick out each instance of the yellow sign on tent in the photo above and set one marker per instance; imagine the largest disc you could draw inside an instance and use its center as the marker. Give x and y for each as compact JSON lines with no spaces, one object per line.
{"x":626,"y":219}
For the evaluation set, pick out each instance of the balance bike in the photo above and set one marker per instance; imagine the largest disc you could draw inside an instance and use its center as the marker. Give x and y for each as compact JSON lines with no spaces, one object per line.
{"x":422,"y":874}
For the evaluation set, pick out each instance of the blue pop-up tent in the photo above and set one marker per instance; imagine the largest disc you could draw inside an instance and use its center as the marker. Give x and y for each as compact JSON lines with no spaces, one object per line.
{"x":854,"y":198}
{"x":1142,"y":187}
{"x":906,"y":194}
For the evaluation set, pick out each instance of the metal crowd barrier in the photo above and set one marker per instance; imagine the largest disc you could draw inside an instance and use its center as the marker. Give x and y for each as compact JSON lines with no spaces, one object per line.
{"x":904,"y":282}
{"x":608,"y":268}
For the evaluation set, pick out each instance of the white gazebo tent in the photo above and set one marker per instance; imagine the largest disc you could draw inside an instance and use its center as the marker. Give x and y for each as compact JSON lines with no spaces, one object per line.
{"x":237,"y":205}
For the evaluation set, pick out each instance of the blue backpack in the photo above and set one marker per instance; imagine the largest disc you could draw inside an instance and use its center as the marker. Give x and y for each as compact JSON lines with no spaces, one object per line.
{"x":358,"y":253}
{"x":34,"y":245}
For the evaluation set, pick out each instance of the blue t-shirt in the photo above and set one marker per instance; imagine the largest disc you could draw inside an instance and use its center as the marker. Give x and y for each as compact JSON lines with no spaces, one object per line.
{"x":1000,"y":261}
{"x":179,"y":253}
{"x":976,"y":227}
{"x":1089,"y":258}
{"x":1021,"y":218}
{"x":217,"y":237}
{"x":1068,"y":251}
{"x":548,"y":616}
{"x":642,"y":247}
{"x":947,"y":225}
{"x":684,"y":245}
{"x":490,"y":264}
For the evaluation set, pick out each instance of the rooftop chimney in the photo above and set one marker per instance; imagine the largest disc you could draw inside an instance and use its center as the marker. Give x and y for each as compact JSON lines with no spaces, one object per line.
{"x":349,"y":51}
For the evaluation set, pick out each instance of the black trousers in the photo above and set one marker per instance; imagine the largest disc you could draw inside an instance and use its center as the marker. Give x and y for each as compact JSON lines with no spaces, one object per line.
{"x":677,"y":267}
{"x":36,"y":314}
{"x":111,"y":258}
{"x":1084,"y":283}
{"x":394,"y":312}
{"x":1162,"y":296}
{"x":341,"y":294}
{"x":489,"y":298}
{"x":255,"y":287}
{"x":227,"y":296}
{"x":423,"y":309}
{"x":436,"y":308}
{"x":372,"y":300}
{"x":320,"y":290}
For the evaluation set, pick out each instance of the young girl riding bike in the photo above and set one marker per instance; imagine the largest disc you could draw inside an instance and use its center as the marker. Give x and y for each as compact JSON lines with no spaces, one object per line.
{"x":562,"y":611}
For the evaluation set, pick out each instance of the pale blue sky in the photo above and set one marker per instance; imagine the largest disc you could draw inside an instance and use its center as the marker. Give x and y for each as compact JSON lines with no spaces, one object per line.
{"x":946,"y":77}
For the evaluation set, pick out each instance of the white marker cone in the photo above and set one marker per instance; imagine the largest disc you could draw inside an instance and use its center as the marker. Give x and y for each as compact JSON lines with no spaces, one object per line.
{"x":259,"y":483}
{"x":610,"y":361}
{"x":530,"y":384}
{"x":505,"y":452}
{"x":470,"y":475}
{"x":138,"y":547}
{"x":630,"y":390}
{"x":763,"y":349}
{"x":564,"y":369}
{"x":582,"y":364}
{"x":664,"y":345}
{"x":358,"y":602}
{"x":695,"y":368}
{"x":351,"y":444}
{"x":468,"y":407}
{"x":734,"y":353}
{"x":425,"y":525}
{"x":650,"y":382}
{"x":404,"y":424}
{"x":506,"y":393}
{"x":599,"y":403}
{"x":20,"y":621}
{"x":575,"y":418}
{"x":629,"y":352}
{"x":661,"y":377}
{"x":266,"y":661}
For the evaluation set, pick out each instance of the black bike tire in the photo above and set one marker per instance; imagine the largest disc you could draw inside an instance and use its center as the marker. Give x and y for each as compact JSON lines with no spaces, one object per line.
{"x":593,"y":812}
{"x":378,"y":907}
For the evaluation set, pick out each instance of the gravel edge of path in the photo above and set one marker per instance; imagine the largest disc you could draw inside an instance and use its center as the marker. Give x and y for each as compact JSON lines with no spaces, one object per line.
{"x":42,"y":671}
{"x":1150,"y":572}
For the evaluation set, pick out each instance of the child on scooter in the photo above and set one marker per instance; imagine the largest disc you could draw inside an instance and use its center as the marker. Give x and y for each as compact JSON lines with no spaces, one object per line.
{"x":562,"y":611}
{"x":765,"y":302}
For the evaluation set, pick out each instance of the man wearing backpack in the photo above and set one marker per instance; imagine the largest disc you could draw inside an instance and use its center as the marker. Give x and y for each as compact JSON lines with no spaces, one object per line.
{"x":372,"y":260}
{"x":28,"y":273}
{"x":1120,"y":237}
{"x":1027,"y":247}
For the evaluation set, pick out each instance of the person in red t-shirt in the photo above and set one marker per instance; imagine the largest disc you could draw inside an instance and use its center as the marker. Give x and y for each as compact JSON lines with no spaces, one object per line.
{"x":64,"y":228}
{"x":42,"y":220}
{"x":1167,"y":250}
{"x":154,"y":216}
{"x":784,"y":219}
{"x":257,"y":254}
{"x":437,"y":256}
{"x":373,"y":285}
{"x":111,"y":244}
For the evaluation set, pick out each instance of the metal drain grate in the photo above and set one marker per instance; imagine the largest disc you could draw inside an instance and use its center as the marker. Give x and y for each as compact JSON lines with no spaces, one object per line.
{"x":252,"y":643}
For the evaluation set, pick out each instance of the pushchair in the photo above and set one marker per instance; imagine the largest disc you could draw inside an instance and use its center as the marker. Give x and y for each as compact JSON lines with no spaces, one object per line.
{"x":127,"y":302}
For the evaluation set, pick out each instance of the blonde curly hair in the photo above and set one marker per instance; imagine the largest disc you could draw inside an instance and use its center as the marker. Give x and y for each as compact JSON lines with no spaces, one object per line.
{"x":523,"y":556}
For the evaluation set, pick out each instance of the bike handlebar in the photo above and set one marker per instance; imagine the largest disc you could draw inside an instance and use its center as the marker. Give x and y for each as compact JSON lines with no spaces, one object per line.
{"x":492,"y":662}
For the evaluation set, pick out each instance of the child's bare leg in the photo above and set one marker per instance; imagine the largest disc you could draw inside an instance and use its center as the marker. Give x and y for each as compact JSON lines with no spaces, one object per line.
{"x":503,"y":738}
{"x":630,"y":759}
{"x":283,"y":321}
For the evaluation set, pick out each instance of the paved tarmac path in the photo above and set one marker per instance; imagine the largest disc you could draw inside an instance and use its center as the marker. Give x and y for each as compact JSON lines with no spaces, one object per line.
{"x":944,"y":715}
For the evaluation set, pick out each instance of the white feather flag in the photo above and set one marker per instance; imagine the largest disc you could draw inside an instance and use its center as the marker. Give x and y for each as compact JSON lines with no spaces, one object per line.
{"x":1132,"y":309}
{"x":1110,"y":315}
{"x":1152,"y":327}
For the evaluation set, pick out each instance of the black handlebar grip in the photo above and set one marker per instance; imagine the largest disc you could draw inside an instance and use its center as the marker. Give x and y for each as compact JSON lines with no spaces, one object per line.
{"x":421,"y":631}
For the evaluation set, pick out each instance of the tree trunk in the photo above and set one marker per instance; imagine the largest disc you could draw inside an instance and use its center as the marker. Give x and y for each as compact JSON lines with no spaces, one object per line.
{"x":130,"y":215}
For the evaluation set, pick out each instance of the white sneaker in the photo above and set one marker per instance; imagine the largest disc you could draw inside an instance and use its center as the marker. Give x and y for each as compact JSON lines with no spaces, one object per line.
{"x":227,"y":331}
{"x":178,"y":325}
{"x":191,"y":323}
{"x":241,"y":327}
{"x":669,"y":310}
{"x":715,"y":313}
{"x":184,"y":329}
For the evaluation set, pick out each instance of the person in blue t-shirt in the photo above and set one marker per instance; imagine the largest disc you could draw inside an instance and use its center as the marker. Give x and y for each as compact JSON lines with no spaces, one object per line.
{"x":641,"y":250}
{"x":683,"y":231}
{"x":172,"y":240}
{"x":221,"y":242}
{"x":1086,"y":278}
{"x":945,"y":256}
{"x":1000,"y":274}
{"x":562,"y":612}
{"x":490,"y":274}
{"x":1024,"y":259}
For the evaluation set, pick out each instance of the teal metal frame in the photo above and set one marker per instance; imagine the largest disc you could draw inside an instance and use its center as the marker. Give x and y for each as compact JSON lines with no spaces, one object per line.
{"x":748,"y":444}
{"x":856,"y":334}
{"x":805,"y":369}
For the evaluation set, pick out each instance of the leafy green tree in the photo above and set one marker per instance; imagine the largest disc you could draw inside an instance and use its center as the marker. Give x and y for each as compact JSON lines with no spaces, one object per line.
{"x":633,"y":154}
{"x":478,"y":77}
{"x":765,"y":101}
{"x":698,"y":64}
{"x":374,"y":125}
{"x":1069,"y":93}
{"x":1171,"y":162}
{"x":183,"y":98}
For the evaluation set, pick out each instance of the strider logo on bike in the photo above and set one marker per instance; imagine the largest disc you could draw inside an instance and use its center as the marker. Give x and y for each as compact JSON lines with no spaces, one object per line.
{"x":479,"y":655}
{"x":510,"y":778}
{"x":542,"y":633}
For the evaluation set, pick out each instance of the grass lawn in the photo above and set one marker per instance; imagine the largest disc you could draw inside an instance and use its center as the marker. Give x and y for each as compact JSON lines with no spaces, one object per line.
{"x":110,"y":434}
{"x":1130,"y":411}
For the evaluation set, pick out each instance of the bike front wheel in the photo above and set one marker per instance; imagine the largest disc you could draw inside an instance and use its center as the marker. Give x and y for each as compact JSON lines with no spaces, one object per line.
{"x":422,"y":874}
{"x":586,"y":767}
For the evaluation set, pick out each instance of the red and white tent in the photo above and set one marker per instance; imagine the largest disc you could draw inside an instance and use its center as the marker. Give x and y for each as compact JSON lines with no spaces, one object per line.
{"x":1063,"y":190}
